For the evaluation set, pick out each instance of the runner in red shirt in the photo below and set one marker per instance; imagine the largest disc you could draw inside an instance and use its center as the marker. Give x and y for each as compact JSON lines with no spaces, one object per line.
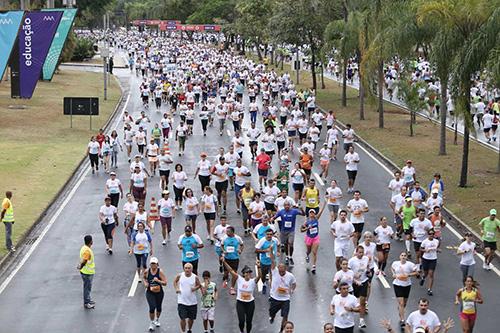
{"x":263,"y":164}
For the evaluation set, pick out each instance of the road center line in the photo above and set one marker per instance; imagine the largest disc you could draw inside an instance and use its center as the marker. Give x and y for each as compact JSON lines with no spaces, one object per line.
{"x":318,"y":178}
{"x":382,"y":278}
{"x":133,"y":287}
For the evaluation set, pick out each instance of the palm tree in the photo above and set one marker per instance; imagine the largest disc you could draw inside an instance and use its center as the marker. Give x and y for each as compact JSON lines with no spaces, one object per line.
{"x":476,"y":24}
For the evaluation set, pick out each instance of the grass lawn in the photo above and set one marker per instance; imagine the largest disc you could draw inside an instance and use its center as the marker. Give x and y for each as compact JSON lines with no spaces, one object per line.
{"x":40,"y":150}
{"x":469,"y":204}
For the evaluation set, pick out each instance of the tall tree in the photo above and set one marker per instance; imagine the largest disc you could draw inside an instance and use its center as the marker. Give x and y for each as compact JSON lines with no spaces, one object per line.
{"x":477,"y":25}
{"x":303,"y":22}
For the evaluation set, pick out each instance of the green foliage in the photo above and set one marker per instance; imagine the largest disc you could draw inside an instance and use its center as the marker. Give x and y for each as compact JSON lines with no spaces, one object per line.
{"x":69,"y":47}
{"x":213,"y":11}
{"x":84,"y":49}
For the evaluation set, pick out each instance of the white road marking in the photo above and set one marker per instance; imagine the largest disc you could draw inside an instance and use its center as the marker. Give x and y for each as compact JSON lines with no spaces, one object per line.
{"x":453,"y":231}
{"x":382,"y":278}
{"x":228,"y":133}
{"x":45,"y":230}
{"x":58,"y":212}
{"x":133,"y":287}
{"x":318,"y":178}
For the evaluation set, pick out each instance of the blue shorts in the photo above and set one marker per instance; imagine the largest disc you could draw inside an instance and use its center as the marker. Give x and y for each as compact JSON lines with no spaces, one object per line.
{"x":230,"y":172}
{"x":218,"y":250}
{"x":237,"y":189}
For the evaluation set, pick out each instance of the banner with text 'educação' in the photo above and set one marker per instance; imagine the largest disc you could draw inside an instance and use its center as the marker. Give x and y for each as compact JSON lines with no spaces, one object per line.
{"x":35,"y":37}
{"x":9,"y":26}
{"x":56,"y":48}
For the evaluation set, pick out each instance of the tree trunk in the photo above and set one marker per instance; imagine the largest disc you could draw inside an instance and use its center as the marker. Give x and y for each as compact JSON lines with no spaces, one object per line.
{"x":444,"y":114}
{"x":465,"y":151}
{"x":243,"y":45}
{"x":272,"y":56}
{"x":323,"y":86}
{"x":344,"y":82}
{"x":381,"y":94}
{"x":313,"y":67}
{"x":259,"y":54}
{"x":361,"y":98}
{"x":411,"y":123}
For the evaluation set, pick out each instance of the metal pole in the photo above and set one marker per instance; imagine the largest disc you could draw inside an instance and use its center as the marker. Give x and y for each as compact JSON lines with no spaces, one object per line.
{"x":71,"y":113}
{"x":105,"y":63}
{"x":297,"y":63}
{"x":50,"y":4}
{"x":24,"y":4}
{"x":91,"y":114}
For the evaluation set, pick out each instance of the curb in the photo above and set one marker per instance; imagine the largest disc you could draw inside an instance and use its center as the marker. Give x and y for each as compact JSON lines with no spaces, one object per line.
{"x":64,"y":188}
{"x":461,"y":226}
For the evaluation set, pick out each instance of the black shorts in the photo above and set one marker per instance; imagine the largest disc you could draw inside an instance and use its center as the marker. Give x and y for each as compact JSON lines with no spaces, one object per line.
{"x":298,"y":187}
{"x":269,"y":206}
{"x":187,"y":311}
{"x":408,"y":231}
{"x":486,"y":130}
{"x":221,"y":186}
{"x":385,"y":248}
{"x":344,"y":330}
{"x":361,"y":290}
{"x":107,"y":229}
{"x":233,"y":263}
{"x":358,"y":227}
{"x":281,"y":144}
{"x":165,"y":173}
{"x":189,"y":121}
{"x":347,"y":145}
{"x":262,"y":172}
{"x":209,"y":216}
{"x":307,"y":171}
{"x":491,"y":245}
{"x":253,"y":143}
{"x":351,"y":174}
{"x":416,"y":245}
{"x":270,"y":153}
{"x":429,"y":264}
{"x":275,"y":306}
{"x":302,"y":135}
{"x":402,"y":291}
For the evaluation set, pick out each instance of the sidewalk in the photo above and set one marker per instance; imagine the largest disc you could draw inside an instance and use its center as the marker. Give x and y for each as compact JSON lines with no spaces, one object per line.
{"x":478,"y":136}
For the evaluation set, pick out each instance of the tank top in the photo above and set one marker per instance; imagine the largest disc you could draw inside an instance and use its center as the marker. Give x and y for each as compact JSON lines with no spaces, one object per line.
{"x":151,"y":276}
{"x":186,"y":295}
{"x":468,"y":301}
{"x":247,"y":196}
{"x":312,"y":197}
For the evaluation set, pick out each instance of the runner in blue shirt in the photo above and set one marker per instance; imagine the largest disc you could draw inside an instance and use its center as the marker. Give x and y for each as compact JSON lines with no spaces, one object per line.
{"x":288,"y":216}
{"x":263,"y":248}
{"x":231,"y":246}
{"x":189,"y":244}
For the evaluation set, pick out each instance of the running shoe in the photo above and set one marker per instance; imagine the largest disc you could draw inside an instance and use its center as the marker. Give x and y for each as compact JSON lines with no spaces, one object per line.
{"x":429,"y":292}
{"x":232,"y":291}
{"x":313,"y":270}
{"x":422,"y":281}
{"x":224,"y":284}
{"x":307,"y":259}
{"x":362,"y":323}
{"x":157,"y":323}
{"x":88,"y":306}
{"x":164,"y":242}
{"x":287,"y":261}
{"x":264,"y":289}
{"x":151,"y":326}
{"x":291,"y":261}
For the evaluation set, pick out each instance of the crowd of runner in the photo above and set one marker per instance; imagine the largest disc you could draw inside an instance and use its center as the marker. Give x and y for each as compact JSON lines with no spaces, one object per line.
{"x":188,"y":82}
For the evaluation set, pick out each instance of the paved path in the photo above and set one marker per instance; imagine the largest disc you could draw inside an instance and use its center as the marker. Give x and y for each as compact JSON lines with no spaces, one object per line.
{"x":450,"y":122}
{"x":45,"y":293}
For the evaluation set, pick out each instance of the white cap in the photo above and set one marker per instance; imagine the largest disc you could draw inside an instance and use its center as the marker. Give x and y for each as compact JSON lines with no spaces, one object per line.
{"x":153,"y":260}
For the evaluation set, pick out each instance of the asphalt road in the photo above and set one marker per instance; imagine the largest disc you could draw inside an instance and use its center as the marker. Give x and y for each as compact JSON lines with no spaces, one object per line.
{"x":45,"y":293}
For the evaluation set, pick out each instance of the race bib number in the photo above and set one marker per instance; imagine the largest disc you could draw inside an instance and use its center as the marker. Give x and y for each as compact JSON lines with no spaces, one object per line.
{"x":313,"y":230}
{"x":311,"y":201}
{"x":490,"y":234}
{"x":403,"y":277}
{"x":333,"y":200}
{"x":230,"y":249}
{"x":288,"y":224}
{"x":189,"y":254}
{"x":282,"y":290}
{"x":208,"y":206}
{"x":245,"y":295}
{"x":468,"y":305}
{"x":140,"y":247}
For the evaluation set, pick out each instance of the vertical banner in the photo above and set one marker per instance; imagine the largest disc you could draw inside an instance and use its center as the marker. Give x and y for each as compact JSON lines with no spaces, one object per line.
{"x":57,"y":46}
{"x":35,"y":37}
{"x":9,"y":26}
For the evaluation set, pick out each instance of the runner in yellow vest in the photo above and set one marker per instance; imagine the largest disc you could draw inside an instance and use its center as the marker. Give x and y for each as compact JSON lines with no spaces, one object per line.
{"x":8,"y":220}
{"x":87,"y":271}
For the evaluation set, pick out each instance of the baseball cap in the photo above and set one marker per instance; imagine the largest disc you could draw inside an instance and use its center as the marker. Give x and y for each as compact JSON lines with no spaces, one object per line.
{"x":153,"y":260}
{"x":203,"y":154}
{"x":493,"y":211}
{"x":165,"y":192}
{"x":419,"y":330}
{"x":408,"y":198}
{"x":112,"y":173}
{"x":409,"y":161}
{"x":435,"y":191}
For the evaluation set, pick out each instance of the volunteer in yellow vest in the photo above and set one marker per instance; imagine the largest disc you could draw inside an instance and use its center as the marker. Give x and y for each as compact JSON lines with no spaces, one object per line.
{"x":87,"y":271}
{"x":8,"y":220}
{"x":311,"y":197}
